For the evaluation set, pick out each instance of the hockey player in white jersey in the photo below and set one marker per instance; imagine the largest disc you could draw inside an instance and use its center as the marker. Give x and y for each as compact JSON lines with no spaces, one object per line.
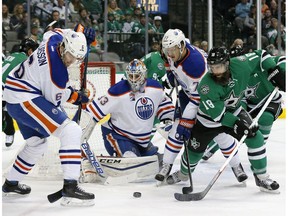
{"x":133,"y":104}
{"x":187,"y":65}
{"x":34,"y":91}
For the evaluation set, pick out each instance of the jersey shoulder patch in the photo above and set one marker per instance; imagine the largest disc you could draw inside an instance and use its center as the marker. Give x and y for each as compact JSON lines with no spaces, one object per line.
{"x":195,"y":63}
{"x":153,"y":83}
{"x":119,"y":88}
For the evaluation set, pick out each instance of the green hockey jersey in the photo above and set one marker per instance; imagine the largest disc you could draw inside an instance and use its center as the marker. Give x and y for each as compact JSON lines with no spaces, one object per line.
{"x":155,"y":66}
{"x":217,"y":102}
{"x":10,"y":63}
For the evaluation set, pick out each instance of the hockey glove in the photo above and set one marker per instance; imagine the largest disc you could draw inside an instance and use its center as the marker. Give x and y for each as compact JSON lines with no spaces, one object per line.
{"x":183,"y":130}
{"x":89,"y":33}
{"x":277,"y":78}
{"x":79,"y":97}
{"x":241,"y":128}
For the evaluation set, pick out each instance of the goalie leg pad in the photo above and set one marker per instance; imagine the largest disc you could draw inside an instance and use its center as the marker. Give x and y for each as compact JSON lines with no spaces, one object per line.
{"x":117,"y":145}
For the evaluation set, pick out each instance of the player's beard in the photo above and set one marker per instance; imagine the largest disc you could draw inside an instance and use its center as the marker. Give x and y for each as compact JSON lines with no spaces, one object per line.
{"x":223,"y":79}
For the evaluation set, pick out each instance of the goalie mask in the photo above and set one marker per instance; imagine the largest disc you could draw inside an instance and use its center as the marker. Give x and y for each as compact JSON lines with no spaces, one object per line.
{"x":136,"y":74}
{"x":218,"y":61}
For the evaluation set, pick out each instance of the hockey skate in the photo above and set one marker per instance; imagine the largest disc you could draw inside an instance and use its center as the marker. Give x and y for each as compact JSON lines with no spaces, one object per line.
{"x":73,"y":195}
{"x":207,"y":155}
{"x":13,"y":187}
{"x":176,"y":177}
{"x":9,"y":140}
{"x":266,"y":184}
{"x":164,"y":172}
{"x":239,"y":173}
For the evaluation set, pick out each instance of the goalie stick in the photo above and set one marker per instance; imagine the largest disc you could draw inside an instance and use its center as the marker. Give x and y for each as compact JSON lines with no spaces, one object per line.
{"x":200,"y":195}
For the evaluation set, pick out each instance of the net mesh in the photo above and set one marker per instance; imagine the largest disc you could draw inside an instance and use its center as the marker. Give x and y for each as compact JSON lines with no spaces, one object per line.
{"x":100,"y":76}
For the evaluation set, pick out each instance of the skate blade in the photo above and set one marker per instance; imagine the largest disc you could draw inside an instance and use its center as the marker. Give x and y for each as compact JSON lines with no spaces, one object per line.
{"x":68,"y":201}
{"x":160,"y":183}
{"x":13,"y":195}
{"x":269,"y":191}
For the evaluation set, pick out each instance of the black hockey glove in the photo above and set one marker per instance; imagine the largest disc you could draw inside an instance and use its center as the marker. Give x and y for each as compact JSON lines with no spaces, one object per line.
{"x":241,"y":127}
{"x":277,"y":78}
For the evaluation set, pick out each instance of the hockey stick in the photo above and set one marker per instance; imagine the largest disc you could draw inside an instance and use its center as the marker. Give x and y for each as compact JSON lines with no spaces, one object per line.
{"x":202,"y":194}
{"x":185,"y":190}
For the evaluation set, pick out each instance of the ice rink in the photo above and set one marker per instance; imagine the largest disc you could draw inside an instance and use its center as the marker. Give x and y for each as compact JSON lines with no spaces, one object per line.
{"x":226,"y":198}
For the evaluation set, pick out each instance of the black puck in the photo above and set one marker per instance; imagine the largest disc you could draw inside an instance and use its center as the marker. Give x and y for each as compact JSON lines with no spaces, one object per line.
{"x":137,"y":194}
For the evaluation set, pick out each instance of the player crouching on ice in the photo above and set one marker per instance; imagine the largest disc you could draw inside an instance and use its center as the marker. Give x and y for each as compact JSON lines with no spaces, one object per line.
{"x":34,"y":92}
{"x":133,"y":104}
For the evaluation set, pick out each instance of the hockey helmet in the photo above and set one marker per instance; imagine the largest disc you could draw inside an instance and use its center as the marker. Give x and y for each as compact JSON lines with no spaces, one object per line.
{"x":218,"y":55}
{"x":173,"y":37}
{"x":236,"y":51}
{"x":75,"y":43}
{"x":26,"y":44}
{"x":136,"y":74}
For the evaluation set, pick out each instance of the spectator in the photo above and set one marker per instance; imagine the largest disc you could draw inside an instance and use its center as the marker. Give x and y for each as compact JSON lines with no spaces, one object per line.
{"x":237,"y":42}
{"x":272,"y":32}
{"x":197,"y":43}
{"x":204,"y":46}
{"x":94,"y":7}
{"x":128,"y":23}
{"x":113,"y":25}
{"x":17,"y":19}
{"x":85,"y":20}
{"x":158,"y":24}
{"x":274,"y":9}
{"x":56,"y":17}
{"x":75,"y":6}
{"x":266,"y":22}
{"x":113,"y":8}
{"x":36,"y":34}
{"x":6,"y":16}
{"x":242,"y":10}
{"x":249,"y":28}
{"x":137,"y":14}
{"x":139,"y":27}
{"x":264,"y":6}
{"x":61,"y":8}
{"x":133,"y":6}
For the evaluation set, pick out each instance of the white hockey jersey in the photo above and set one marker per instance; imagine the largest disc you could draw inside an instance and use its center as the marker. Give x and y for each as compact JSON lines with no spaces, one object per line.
{"x":42,"y":74}
{"x":133,"y":114}
{"x":188,"y":73}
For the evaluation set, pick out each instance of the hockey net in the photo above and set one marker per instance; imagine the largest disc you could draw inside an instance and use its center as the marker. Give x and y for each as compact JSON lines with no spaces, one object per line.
{"x":100,"y":76}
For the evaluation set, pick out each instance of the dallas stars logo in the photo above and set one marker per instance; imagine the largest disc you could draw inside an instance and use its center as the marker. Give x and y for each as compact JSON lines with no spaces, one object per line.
{"x":232,"y":100}
{"x":250,"y":91}
{"x":194,"y":144}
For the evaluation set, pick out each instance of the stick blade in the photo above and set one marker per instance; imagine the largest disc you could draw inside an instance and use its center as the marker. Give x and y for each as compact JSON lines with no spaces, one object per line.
{"x":189,"y":197}
{"x":55,"y":196}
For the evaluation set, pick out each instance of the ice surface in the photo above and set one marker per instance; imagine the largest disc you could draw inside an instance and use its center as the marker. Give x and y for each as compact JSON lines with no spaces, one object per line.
{"x":226,"y":198}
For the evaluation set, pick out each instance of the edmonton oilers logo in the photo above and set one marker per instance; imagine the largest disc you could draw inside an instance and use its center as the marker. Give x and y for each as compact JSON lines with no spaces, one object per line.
{"x":144,"y":108}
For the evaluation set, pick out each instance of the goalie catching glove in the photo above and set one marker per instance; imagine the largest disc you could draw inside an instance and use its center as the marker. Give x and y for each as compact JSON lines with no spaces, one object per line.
{"x":183,"y":130}
{"x":79,"y":97}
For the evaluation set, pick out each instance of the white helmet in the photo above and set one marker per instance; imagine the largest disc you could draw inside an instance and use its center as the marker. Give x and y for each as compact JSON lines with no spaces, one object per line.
{"x":136,"y":74}
{"x":75,"y":43}
{"x":173,"y":37}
